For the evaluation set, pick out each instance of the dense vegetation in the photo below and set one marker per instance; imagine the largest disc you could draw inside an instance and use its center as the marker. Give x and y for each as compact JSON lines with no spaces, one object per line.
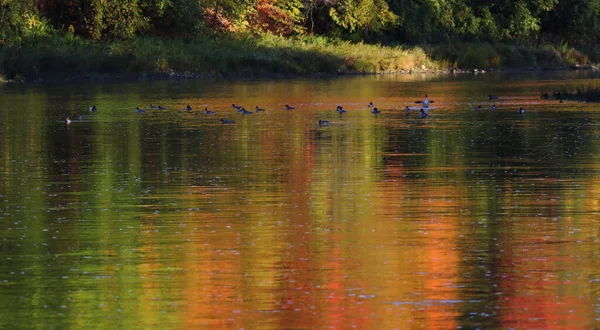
{"x":292,"y":36}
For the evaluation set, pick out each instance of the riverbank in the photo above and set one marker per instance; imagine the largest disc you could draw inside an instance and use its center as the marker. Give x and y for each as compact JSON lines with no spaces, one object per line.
{"x":68,"y":58}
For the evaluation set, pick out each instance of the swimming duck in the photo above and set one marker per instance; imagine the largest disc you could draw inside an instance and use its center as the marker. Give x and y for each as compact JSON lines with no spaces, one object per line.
{"x":208,"y":112}
{"x":323,"y":122}
{"x":236,"y":107}
{"x":407,"y":108}
{"x":259,"y":109}
{"x":188,"y":108}
{"x":375,"y":111}
{"x":246,"y":112}
{"x":227,"y":121}
{"x":494,"y":107}
{"x":287,"y":107}
{"x":138,"y":110}
{"x":422,"y":114}
{"x":478,"y":108}
{"x":159,"y":107}
{"x":370,"y":104}
{"x":340,"y":109}
{"x":522,"y":111}
{"x":67,"y":121}
{"x":93,"y":108}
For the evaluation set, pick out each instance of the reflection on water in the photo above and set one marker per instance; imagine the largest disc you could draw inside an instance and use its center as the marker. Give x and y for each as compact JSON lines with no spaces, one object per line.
{"x":171,"y":220}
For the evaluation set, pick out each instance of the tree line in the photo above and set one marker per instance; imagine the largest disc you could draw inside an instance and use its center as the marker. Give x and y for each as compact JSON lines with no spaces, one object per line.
{"x":383,"y":21}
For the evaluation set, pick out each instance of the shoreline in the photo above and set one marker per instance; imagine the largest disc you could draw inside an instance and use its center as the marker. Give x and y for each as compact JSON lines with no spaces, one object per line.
{"x":67,"y":59}
{"x":183,"y":76}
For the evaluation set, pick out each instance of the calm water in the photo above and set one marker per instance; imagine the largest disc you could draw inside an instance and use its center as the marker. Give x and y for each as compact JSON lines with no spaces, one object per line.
{"x":171,"y":220}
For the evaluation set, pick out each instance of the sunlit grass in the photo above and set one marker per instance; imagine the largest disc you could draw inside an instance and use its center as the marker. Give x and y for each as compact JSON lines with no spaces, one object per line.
{"x":255,"y":56}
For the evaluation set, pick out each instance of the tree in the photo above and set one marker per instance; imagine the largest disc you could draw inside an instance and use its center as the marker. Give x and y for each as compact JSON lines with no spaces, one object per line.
{"x":362,"y":17}
{"x":19,"y":19}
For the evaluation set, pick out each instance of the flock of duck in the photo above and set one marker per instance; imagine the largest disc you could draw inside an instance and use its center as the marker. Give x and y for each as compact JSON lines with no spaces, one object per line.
{"x":423,"y":111}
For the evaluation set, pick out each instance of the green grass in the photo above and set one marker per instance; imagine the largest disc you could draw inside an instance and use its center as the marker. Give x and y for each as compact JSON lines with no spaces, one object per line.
{"x":65,"y":56}
{"x":503,"y":56}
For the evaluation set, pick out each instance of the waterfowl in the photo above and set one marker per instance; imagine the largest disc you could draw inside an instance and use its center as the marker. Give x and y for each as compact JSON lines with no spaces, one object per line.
{"x":425,"y":102}
{"x":287,"y":107}
{"x":478,"y":108}
{"x":370,"y":104}
{"x":407,"y":108}
{"x":93,"y":108}
{"x":375,"y":111}
{"x":208,"y":112}
{"x":323,"y":122}
{"x":227,"y":121}
{"x":522,"y":111}
{"x":492,"y":97}
{"x":67,"y":121}
{"x":188,"y":108}
{"x":259,"y":109}
{"x":159,"y":107}
{"x":138,"y":110}
{"x":246,"y":112}
{"x":340,"y":109}
{"x":236,"y":107}
{"x":494,"y":107}
{"x":422,"y":114}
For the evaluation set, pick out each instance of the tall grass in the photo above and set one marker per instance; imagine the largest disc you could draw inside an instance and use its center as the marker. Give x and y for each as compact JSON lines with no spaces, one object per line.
{"x":64,"y":56}
{"x":502,"y":56}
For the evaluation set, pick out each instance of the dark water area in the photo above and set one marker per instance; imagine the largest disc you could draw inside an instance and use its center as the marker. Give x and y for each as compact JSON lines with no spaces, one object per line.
{"x":169,"y":219}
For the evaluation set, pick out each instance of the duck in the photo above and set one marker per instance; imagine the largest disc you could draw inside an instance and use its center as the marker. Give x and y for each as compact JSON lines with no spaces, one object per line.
{"x":138,"y":110}
{"x":226,"y":121}
{"x":67,"y":121}
{"x":236,"y":107}
{"x":246,"y":112}
{"x":188,"y":108}
{"x":425,"y":102}
{"x":494,"y":107}
{"x":422,"y":114}
{"x":259,"y":109}
{"x":323,"y":122}
{"x":478,"y":108}
{"x":208,"y":112}
{"x":159,"y":107}
{"x":492,"y":97}
{"x":287,"y":107}
{"x":407,"y":108}
{"x":340,"y":109}
{"x":375,"y":111}
{"x":93,"y":108}
{"x":522,"y":111}
{"x":370,"y":105}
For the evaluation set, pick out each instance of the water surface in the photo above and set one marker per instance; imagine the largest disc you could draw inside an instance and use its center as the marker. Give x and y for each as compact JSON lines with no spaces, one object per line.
{"x":169,"y":219}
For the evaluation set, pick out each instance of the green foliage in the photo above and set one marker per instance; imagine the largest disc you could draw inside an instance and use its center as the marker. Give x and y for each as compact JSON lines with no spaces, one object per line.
{"x":180,"y":18}
{"x":362,"y":16}
{"x":19,"y":20}
{"x":115,"y":19}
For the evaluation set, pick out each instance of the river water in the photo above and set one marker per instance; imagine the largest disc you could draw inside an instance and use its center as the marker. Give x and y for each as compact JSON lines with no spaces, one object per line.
{"x":169,"y":219}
